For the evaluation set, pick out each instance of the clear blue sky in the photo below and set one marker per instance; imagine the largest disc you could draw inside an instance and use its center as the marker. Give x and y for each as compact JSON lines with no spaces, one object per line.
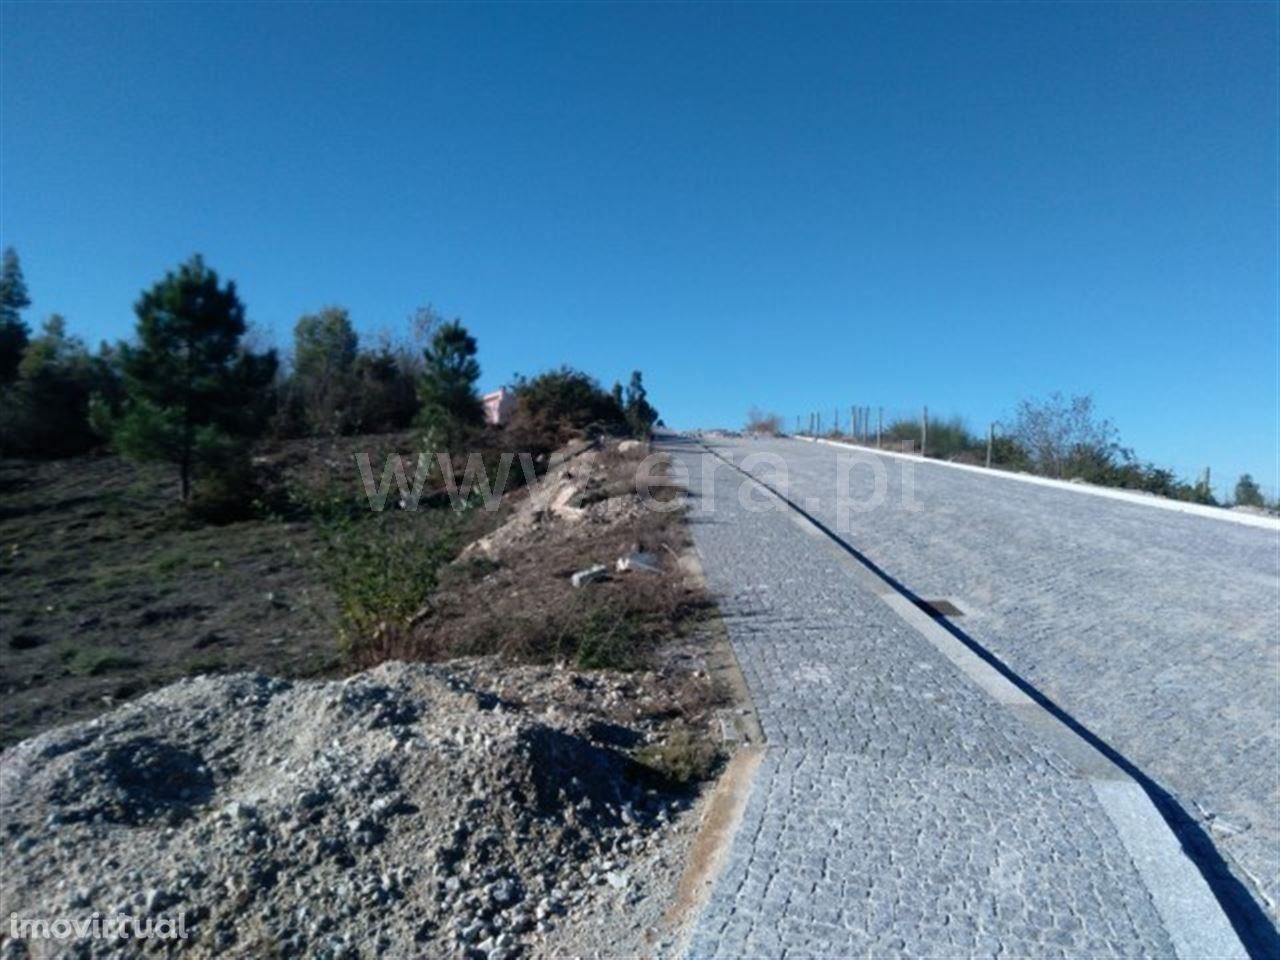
{"x":790,"y":206}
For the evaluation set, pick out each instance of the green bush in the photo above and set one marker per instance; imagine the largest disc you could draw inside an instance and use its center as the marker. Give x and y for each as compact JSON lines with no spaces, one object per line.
{"x":902,"y":430}
{"x":553,"y":407}
{"x":1247,"y":493}
{"x":225,"y":490}
{"x":682,"y":758}
{"x":951,"y":437}
{"x":1121,"y":469}
{"x":95,"y":661}
{"x":382,"y":567}
{"x":1006,"y":453}
{"x":947,"y":438}
{"x":44,"y":413}
{"x":603,"y":639}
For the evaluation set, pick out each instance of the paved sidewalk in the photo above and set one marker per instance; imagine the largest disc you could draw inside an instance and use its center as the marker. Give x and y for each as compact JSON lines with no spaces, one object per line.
{"x":899,"y":809}
{"x":1159,"y":631}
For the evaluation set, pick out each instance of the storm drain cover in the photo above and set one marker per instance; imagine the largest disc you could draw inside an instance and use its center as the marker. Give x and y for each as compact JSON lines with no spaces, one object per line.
{"x":940,"y":608}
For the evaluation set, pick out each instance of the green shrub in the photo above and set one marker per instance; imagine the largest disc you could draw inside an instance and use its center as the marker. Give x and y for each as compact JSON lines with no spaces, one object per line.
{"x":951,"y":437}
{"x":327,"y":503}
{"x":95,"y":661}
{"x":225,"y":490}
{"x":1121,"y":469}
{"x":902,"y":430}
{"x":603,"y":639}
{"x":45,"y":412}
{"x":1006,"y":453}
{"x":682,"y":758}
{"x":946,"y":437}
{"x":1247,"y":493}
{"x":382,"y":568}
{"x":556,"y":406}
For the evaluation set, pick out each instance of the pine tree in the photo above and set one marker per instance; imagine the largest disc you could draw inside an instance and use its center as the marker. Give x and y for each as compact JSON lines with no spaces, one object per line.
{"x":14,"y":333}
{"x":46,"y":410}
{"x":1247,"y":492}
{"x":640,"y":414}
{"x":194,"y":395}
{"x":323,"y":384}
{"x":450,"y":405}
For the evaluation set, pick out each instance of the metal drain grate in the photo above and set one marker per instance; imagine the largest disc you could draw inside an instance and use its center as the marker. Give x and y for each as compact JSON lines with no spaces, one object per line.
{"x":940,"y":608}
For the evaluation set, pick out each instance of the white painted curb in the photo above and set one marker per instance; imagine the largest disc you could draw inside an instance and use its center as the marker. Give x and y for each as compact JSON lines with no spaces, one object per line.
{"x":1110,"y":493}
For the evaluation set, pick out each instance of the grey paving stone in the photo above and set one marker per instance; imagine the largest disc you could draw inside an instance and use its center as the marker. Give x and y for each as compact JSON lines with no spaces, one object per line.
{"x":898,"y":810}
{"x":1158,"y":630}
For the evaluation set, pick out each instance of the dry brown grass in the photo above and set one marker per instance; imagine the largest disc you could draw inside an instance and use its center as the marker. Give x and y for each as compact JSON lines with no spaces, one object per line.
{"x":520,"y":603}
{"x":108,"y":589}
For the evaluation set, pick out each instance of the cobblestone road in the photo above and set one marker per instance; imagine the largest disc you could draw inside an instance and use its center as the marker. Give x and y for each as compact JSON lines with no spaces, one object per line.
{"x":1158,"y":630}
{"x":899,"y":810}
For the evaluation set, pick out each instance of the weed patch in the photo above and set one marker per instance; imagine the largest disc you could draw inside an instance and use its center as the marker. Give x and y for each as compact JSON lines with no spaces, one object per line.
{"x":603,"y":638}
{"x":381,"y":571}
{"x":682,"y":758}
{"x":95,"y":661}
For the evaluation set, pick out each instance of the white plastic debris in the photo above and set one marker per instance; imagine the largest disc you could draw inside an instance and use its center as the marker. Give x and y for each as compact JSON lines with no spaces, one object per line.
{"x":639,"y":561}
{"x":593,"y":573}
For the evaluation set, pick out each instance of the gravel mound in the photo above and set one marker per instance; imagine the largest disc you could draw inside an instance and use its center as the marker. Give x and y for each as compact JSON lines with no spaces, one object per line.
{"x":587,"y":490}
{"x":399,"y":812}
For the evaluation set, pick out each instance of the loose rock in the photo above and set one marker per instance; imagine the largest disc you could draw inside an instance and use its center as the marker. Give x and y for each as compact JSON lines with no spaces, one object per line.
{"x":225,"y":798}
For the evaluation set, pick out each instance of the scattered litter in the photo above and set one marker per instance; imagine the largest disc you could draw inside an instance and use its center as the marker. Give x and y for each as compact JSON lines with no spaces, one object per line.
{"x":639,"y":561}
{"x":590,"y":575}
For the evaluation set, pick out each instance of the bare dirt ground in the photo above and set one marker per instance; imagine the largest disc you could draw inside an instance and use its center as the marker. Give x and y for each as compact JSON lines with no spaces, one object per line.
{"x":108,"y":589}
{"x":109,"y":592}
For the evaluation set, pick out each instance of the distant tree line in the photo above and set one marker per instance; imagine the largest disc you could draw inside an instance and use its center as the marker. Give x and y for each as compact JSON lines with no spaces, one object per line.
{"x":189,"y":390}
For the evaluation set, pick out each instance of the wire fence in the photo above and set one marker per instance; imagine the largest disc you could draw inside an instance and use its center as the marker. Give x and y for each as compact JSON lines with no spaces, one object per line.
{"x":916,"y":430}
{"x":898,"y":429}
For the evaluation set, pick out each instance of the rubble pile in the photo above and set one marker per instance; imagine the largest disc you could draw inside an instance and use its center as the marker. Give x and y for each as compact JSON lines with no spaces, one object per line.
{"x":399,"y":812}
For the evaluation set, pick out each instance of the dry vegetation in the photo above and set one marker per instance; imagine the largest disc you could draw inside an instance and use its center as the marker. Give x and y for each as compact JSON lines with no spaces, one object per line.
{"x":108,"y":590}
{"x":111,"y":589}
{"x":569,"y":727}
{"x":509,"y":592}
{"x":763,"y":423}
